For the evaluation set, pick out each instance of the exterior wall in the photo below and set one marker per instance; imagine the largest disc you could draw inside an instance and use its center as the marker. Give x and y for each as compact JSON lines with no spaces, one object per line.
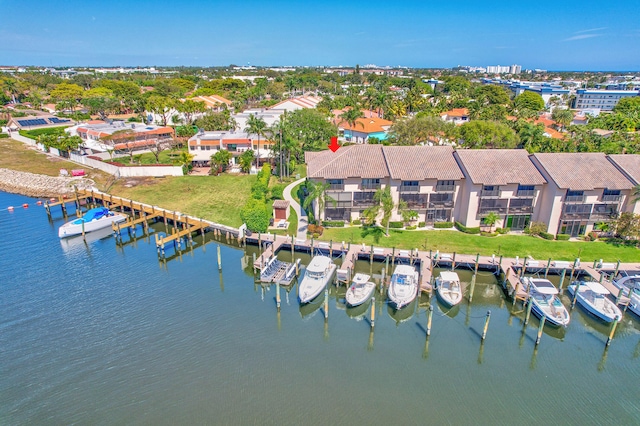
{"x":550,"y":205}
{"x":603,"y":100}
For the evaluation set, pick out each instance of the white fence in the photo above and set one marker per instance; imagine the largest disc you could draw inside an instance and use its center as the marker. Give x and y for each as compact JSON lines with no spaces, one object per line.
{"x":130,"y":171}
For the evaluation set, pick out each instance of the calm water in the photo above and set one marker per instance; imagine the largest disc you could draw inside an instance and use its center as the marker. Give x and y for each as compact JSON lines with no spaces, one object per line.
{"x":98,"y":334}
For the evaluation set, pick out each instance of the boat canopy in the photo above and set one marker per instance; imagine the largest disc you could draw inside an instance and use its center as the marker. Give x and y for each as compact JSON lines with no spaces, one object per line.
{"x":319,"y":264}
{"x":449,"y":276}
{"x":635,"y":280}
{"x":543,"y":286}
{"x":92,"y":214}
{"x":597,"y":288}
{"x":404,"y":270}
{"x":360,"y":278}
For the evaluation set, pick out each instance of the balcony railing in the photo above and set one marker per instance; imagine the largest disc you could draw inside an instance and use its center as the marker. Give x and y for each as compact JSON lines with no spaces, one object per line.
{"x":445,"y":188}
{"x":603,"y":215}
{"x":438,"y":204}
{"x":574,"y":199}
{"x":409,"y":188}
{"x":370,"y":186}
{"x":494,"y":193}
{"x":526,"y":193}
{"x":521,"y":210}
{"x":611,"y":198}
{"x":336,"y":187}
{"x":573,"y":216}
{"x":485,"y":211}
{"x":363,"y":203}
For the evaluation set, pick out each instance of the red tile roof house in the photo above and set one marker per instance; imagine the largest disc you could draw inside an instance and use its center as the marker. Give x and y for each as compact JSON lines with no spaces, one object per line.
{"x":457,"y":116}
{"x":203,"y":145}
{"x":584,"y":188}
{"x":96,"y":135}
{"x":364,"y":128}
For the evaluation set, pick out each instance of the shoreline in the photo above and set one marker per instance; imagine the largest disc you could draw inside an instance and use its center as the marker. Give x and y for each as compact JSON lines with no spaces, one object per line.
{"x":36,"y":185}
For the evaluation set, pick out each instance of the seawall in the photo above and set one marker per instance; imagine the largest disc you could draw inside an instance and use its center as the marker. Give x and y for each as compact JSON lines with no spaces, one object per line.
{"x":35,"y":185}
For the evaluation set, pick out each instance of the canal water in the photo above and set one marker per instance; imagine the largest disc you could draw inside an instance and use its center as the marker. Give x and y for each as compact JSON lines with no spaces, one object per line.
{"x":95,"y":333}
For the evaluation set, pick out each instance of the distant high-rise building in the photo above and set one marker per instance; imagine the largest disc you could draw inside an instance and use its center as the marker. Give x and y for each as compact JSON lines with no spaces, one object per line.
{"x":498,"y":69}
{"x":515,"y":69}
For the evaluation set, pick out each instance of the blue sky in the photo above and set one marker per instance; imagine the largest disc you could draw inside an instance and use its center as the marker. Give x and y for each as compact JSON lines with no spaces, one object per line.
{"x":567,"y":35}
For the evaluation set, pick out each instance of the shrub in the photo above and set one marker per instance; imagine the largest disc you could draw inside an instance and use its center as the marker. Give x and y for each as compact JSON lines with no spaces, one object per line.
{"x":315,"y":235}
{"x":411,"y":228}
{"x":563,"y":237}
{"x":593,"y":235}
{"x":311,"y":228}
{"x":277,"y":192}
{"x":3,"y":135}
{"x":333,"y":223}
{"x":421,"y":224}
{"x":255,"y":215}
{"x":503,"y":230}
{"x":319,"y":229}
{"x":356,"y":222}
{"x":395,"y":225}
{"x":536,"y":228}
{"x":460,"y":227}
{"x":546,"y":235}
{"x":443,"y":225}
{"x":489,"y":234}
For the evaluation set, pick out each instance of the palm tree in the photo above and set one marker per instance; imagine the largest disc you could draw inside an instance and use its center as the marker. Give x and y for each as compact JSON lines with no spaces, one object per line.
{"x":318,"y":191}
{"x":491,"y":220}
{"x":563,"y":117}
{"x":184,"y":160}
{"x":636,"y":193}
{"x":351,"y":117}
{"x":257,"y":126}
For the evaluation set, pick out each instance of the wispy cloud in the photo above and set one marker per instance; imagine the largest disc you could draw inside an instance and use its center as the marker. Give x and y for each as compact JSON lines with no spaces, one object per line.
{"x":581,"y":37}
{"x":591,"y":30}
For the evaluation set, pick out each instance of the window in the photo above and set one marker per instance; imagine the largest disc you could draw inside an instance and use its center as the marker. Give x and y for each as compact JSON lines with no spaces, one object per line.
{"x":611,"y":195}
{"x":521,"y":205}
{"x":490,"y":191}
{"x":370,"y":184}
{"x":335,"y":183}
{"x":441,"y":200}
{"x":492,"y":205}
{"x":574,"y":196}
{"x":363,"y":199}
{"x":526,"y":191}
{"x":415,"y":200}
{"x":410,"y":186}
{"x":446,"y":185}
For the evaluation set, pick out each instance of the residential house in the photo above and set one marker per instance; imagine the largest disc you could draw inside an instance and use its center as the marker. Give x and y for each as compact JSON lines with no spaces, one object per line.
{"x":98,"y":136}
{"x":629,"y":165}
{"x":37,"y":122}
{"x":584,"y":188}
{"x":204,"y":144}
{"x":503,"y":181}
{"x":294,"y":104}
{"x":369,"y":126}
{"x":457,"y":116}
{"x":214,"y":102}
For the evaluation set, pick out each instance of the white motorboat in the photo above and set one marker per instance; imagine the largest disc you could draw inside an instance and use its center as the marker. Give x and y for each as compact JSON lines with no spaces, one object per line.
{"x":546,"y":303}
{"x":404,"y":286}
{"x":592,"y":297}
{"x":92,"y":220}
{"x":448,"y":288}
{"x":316,"y":277}
{"x":360,"y":290}
{"x":630,"y":286}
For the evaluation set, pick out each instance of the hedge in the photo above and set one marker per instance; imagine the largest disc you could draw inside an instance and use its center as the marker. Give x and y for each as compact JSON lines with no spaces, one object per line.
{"x":396,"y":225}
{"x":410,"y":228}
{"x":333,"y":223}
{"x":356,"y":222}
{"x":255,"y":215}
{"x":460,"y":227}
{"x":3,"y":135}
{"x":563,"y":237}
{"x":277,"y":192}
{"x":421,"y":224}
{"x":503,"y":230}
{"x":489,"y":234}
{"x":547,"y":236}
{"x":443,"y":225}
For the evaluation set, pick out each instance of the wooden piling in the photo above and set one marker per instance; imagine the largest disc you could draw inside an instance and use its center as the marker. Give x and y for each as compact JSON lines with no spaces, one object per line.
{"x":393,"y":256}
{"x":546,"y":270}
{"x":429,"y":320}
{"x":486,"y":325}
{"x":473,"y":285}
{"x":477,"y":260}
{"x":331,"y":249}
{"x":620,"y":294}
{"x":615,"y":273}
{"x":453,"y":261}
{"x":278,"y":296}
{"x":373,"y":311}
{"x":326,"y":304}
{"x":528,"y":315}
{"x":219,"y":259}
{"x":562,"y":275}
{"x":540,"y":327}
{"x":613,"y":330}
{"x":573,"y":268}
{"x":371,"y":255}
{"x":576,"y":290}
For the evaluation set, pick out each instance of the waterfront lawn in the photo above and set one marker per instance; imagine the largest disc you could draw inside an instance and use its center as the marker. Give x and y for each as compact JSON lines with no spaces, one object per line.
{"x":215,"y":198}
{"x":507,"y":245}
{"x":166,"y":157}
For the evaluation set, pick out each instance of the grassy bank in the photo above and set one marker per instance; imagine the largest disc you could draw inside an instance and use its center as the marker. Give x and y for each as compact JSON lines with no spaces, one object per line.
{"x":215,"y":198}
{"x":507,"y":245}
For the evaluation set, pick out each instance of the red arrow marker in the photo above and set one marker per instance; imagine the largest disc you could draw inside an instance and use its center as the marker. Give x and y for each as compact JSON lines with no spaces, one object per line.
{"x":333,"y":146}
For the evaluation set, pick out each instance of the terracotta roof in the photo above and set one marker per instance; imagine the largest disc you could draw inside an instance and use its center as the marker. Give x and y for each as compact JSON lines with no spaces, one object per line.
{"x":499,"y":166}
{"x":582,"y":170}
{"x":368,"y":125}
{"x":629,"y":163}
{"x":302,"y":101}
{"x":456,"y":112}
{"x":213,"y":101}
{"x":553,"y":133}
{"x":422,"y":162}
{"x":280,"y":204}
{"x":365,"y":161}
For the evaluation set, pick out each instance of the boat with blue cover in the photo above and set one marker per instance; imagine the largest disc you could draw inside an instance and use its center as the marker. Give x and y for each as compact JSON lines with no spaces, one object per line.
{"x":92,"y":220}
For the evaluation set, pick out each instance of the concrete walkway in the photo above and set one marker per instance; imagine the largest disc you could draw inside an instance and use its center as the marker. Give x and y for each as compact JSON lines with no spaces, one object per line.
{"x":303,"y":219}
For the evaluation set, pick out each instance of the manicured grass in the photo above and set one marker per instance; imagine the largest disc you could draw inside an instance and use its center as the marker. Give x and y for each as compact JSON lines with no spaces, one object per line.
{"x":33,"y":134}
{"x":166,"y":157}
{"x":18,"y":156}
{"x":215,"y":198}
{"x":507,"y":245}
{"x":293,"y":222}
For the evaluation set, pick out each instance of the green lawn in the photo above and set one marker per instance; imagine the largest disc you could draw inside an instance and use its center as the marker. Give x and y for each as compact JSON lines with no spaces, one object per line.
{"x":507,"y":245}
{"x":215,"y":198}
{"x":166,"y":157}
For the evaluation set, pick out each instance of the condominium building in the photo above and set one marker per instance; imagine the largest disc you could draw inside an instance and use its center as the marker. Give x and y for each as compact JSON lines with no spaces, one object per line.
{"x":584,"y":188}
{"x":502,"y":181}
{"x":603,"y":100}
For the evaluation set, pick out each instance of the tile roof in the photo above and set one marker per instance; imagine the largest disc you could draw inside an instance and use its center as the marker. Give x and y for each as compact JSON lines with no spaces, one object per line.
{"x":499,"y":166}
{"x":422,"y":162}
{"x":456,"y":112}
{"x":365,"y":161}
{"x":582,"y":170}
{"x":280,"y":204}
{"x":368,"y":125}
{"x":629,"y":163}
{"x":213,"y":101}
